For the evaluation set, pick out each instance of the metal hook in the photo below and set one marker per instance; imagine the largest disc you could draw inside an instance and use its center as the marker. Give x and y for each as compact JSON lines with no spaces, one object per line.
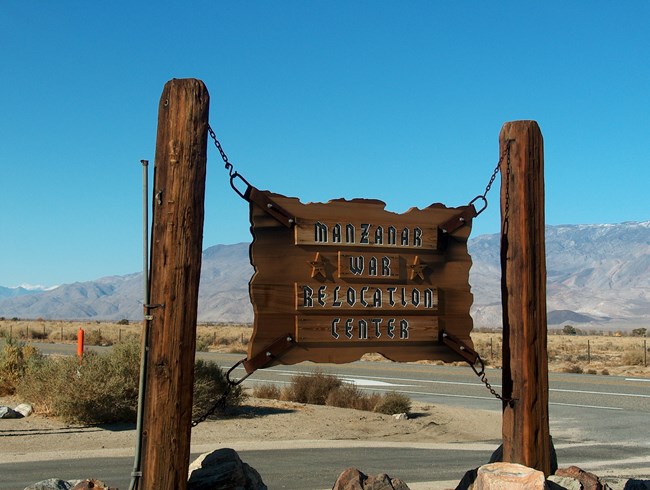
{"x":485,"y":203}
{"x":240,"y":380}
{"x":235,"y":175}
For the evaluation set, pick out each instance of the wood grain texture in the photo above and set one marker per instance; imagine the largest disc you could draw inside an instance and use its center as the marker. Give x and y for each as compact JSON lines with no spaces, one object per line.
{"x":526,"y":437}
{"x":176,"y":245}
{"x":414,"y":274}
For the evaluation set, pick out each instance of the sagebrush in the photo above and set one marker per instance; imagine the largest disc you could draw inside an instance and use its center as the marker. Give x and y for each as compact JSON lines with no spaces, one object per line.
{"x":104,"y":388}
{"x":319,"y":388}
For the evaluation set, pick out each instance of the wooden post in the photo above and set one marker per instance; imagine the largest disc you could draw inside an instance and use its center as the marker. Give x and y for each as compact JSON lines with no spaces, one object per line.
{"x":176,"y":243}
{"x":526,"y":438}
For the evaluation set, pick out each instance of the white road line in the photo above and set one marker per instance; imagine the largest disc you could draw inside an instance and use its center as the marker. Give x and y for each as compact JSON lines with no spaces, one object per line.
{"x":584,"y":406}
{"x":638,"y":395}
{"x":647,"y":380}
{"x":369,"y":382}
{"x":463,"y":383}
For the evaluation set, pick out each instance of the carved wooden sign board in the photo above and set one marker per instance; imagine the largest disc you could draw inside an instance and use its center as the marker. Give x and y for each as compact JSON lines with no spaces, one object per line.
{"x":346,"y":278}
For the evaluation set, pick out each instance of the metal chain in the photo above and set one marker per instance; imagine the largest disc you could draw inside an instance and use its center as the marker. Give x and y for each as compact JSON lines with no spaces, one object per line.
{"x":506,"y":206}
{"x":221,"y":401}
{"x":232,"y":173}
{"x":483,"y":377}
{"x":219,"y":404}
{"x":224,"y":157}
{"x":497,"y":169}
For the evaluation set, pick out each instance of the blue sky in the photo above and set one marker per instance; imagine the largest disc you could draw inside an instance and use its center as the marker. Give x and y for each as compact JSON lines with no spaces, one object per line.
{"x":400,"y":101}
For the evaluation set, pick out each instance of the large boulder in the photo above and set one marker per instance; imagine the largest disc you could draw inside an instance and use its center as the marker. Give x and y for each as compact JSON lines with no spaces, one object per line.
{"x":508,"y":476}
{"x":353,"y":479}
{"x":223,"y":469}
{"x":589,"y":481}
{"x":51,"y":484}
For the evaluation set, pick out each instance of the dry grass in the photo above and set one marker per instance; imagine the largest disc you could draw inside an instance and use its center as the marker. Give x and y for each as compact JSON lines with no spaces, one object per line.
{"x":591,"y":354}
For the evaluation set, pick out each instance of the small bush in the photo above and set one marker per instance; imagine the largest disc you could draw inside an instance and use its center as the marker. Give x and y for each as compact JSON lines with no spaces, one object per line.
{"x":15,"y":359}
{"x":313,"y":388}
{"x":324,"y":389}
{"x":268,"y":390}
{"x":104,"y":388}
{"x":209,"y":384}
{"x":605,"y":372}
{"x":95,"y":337}
{"x":591,"y":371}
{"x":202,"y":344}
{"x":393,"y":402}
{"x":123,"y":321}
{"x":633,"y":358}
{"x":350,"y":396}
{"x":572,"y":368}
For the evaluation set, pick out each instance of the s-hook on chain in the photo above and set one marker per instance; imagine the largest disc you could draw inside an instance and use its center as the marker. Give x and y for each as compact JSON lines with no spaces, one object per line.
{"x":231,"y":170}
{"x":483,"y":377}
{"x":483,"y":197}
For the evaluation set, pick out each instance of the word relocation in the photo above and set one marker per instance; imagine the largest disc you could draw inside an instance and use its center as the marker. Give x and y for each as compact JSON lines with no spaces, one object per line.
{"x":367,"y":297}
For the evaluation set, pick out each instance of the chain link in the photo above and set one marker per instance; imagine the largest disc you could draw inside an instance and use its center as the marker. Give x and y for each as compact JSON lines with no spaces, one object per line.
{"x":219,"y":404}
{"x":224,"y":157}
{"x":483,"y":377}
{"x":497,"y":169}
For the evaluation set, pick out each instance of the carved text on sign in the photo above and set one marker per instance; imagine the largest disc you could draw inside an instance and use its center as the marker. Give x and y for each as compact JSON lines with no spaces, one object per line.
{"x":349,"y":277}
{"x":366,"y":234}
{"x":368,"y":266}
{"x":370,"y":328}
{"x":310,"y":297}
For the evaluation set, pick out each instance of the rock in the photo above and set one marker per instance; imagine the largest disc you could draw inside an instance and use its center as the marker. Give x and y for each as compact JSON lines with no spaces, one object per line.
{"x":588,"y":480}
{"x":508,"y":476}
{"x":51,"y":484}
{"x":91,"y":484}
{"x":555,"y":482}
{"x":24,"y":409}
{"x":401,"y":416}
{"x":634,"y":484}
{"x":467,"y":482}
{"x":223,"y":470}
{"x":353,"y":479}
{"x":9,"y":413}
{"x":497,"y":456}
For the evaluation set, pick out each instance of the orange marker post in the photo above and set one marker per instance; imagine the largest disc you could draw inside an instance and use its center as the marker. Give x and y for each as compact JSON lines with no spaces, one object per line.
{"x":80,"y":344}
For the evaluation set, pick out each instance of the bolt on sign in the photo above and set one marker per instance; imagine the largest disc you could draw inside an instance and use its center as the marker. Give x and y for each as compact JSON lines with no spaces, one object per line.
{"x":346,"y":278}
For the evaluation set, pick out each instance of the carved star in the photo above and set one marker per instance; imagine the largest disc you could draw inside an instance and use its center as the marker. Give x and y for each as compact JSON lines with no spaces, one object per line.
{"x":317,"y":266}
{"x":417,"y":269}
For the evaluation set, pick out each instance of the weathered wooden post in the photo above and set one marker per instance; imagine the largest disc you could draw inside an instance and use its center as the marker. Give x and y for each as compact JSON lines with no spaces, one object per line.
{"x":176,"y":242}
{"x":526,"y":438}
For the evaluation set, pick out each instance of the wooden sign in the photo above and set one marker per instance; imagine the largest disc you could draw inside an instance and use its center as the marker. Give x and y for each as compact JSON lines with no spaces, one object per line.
{"x":346,"y":278}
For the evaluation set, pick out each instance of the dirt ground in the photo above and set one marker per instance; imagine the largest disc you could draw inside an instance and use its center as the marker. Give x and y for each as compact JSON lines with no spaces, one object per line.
{"x":260,"y":424}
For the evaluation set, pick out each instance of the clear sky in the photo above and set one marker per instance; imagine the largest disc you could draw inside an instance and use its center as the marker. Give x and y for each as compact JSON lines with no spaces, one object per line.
{"x":400,"y":101}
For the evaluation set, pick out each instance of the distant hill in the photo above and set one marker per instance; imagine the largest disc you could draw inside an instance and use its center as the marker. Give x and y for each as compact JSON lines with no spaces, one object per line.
{"x":598,"y":275}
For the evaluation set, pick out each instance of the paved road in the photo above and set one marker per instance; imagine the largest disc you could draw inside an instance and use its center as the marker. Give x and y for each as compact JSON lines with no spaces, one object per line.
{"x":598,"y":423}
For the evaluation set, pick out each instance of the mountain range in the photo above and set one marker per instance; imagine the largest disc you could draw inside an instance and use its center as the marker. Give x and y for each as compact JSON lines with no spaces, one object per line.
{"x":598,"y":276}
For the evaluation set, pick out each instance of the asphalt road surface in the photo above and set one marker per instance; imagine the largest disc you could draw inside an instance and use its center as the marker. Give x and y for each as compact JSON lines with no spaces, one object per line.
{"x":597,"y":422}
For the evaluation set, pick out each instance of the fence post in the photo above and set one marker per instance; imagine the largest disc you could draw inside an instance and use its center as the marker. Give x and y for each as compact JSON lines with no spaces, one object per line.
{"x":526,"y":438}
{"x":176,"y":246}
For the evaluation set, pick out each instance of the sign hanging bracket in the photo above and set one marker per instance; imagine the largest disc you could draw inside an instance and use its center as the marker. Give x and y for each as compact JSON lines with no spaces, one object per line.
{"x":275,"y":350}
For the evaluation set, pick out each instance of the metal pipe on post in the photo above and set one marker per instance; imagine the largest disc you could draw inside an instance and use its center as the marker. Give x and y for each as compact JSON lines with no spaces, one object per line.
{"x":177,"y":239}
{"x":136,"y":473}
{"x":526,"y":437}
